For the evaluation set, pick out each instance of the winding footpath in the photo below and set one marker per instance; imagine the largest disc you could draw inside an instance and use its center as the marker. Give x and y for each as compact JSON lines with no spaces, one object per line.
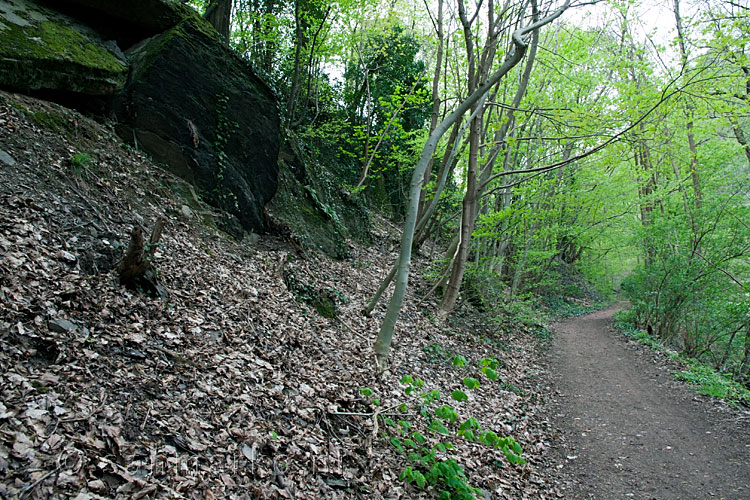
{"x":627,"y":430}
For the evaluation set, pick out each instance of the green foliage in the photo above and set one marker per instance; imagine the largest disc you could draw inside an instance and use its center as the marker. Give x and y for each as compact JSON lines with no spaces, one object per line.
{"x":523,"y":312}
{"x":421,"y":436}
{"x":436,"y":353}
{"x":693,"y":298}
{"x":714,"y":384}
{"x":79,"y":162}
{"x":459,"y":396}
{"x":488,"y":366}
{"x":471,"y":382}
{"x":561,"y":306}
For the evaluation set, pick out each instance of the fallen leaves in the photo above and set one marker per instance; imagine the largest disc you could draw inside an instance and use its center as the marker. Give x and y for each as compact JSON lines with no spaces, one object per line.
{"x":232,"y":388}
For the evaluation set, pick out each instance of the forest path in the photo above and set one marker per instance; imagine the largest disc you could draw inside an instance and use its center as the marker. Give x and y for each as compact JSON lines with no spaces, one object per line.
{"x":627,"y":430}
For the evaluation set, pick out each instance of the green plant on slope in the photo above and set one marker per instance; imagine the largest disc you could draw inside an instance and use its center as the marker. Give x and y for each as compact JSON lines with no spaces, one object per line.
{"x":711,"y":383}
{"x":79,"y":162}
{"x":428,"y":448}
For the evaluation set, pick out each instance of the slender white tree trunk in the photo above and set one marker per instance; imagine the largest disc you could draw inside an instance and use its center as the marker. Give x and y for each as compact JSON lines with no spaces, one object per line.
{"x":385,"y":336}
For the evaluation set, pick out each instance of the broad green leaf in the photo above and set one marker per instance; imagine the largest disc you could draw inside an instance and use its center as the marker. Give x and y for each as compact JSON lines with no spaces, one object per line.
{"x":471,"y":383}
{"x":459,"y":396}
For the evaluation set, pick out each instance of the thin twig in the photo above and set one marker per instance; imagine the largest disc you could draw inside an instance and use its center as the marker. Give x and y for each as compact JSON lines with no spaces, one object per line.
{"x":26,"y":491}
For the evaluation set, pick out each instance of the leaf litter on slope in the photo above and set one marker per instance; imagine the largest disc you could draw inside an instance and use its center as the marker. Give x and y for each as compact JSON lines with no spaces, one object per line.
{"x":231,"y":388}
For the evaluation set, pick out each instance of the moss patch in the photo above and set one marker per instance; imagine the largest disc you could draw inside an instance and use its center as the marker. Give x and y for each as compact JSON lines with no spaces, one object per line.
{"x":42,"y":49}
{"x":310,"y":201}
{"x":147,"y":51}
{"x":52,"y":121}
{"x":55,"y":41}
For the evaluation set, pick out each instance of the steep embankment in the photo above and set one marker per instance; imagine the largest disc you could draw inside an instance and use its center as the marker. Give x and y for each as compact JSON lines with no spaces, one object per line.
{"x":234,"y":386}
{"x":629,"y":431}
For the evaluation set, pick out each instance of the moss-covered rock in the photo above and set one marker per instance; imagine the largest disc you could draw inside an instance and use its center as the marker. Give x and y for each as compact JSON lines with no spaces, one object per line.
{"x":197,"y":107}
{"x":127,"y":22}
{"x":313,"y":205}
{"x":41,"y":49}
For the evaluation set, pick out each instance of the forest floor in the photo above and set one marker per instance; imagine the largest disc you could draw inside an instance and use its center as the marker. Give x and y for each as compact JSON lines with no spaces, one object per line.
{"x":233,"y":387}
{"x":628,"y":430}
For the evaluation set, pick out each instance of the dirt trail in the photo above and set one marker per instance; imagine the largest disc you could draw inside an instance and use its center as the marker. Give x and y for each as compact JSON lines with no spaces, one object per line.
{"x":629,"y":431}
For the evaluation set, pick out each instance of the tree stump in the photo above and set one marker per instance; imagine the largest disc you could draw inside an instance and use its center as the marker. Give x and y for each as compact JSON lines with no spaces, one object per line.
{"x":136,"y":269}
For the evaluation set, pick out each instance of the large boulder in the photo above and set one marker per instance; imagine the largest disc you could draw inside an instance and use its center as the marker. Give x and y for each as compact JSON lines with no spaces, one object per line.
{"x":197,"y":107}
{"x":43,"y":50}
{"x":126,"y":22}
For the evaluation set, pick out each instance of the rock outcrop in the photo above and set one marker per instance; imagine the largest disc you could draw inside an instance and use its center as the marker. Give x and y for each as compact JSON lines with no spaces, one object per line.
{"x":177,"y":91}
{"x":127,"y":22}
{"x":197,"y":107}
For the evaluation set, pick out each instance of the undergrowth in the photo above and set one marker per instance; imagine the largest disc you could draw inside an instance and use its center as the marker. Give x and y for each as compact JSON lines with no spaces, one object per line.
{"x":563,"y":307}
{"x":425,"y":429}
{"x":704,"y":378}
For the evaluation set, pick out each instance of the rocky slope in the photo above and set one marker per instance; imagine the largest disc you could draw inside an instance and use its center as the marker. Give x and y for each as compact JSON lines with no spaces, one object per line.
{"x":177,"y":91}
{"x":235,"y":386}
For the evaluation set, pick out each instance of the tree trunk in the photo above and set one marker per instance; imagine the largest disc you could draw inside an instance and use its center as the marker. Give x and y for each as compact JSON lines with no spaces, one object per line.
{"x":424,"y":218}
{"x":473,"y":185}
{"x":739,"y":134}
{"x":385,"y":335}
{"x":521,"y":265}
{"x":690,"y":111}
{"x":219,"y":14}
{"x":435,"y":102}
{"x":468,"y":217}
{"x":300,"y":34}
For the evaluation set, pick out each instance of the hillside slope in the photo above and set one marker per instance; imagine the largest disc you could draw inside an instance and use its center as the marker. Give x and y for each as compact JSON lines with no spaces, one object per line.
{"x":234,"y":387}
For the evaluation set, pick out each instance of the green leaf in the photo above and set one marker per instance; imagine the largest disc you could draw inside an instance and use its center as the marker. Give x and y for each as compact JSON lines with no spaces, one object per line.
{"x":406,"y":474}
{"x":515,"y":446}
{"x":471,"y":382}
{"x":491,"y":374}
{"x":470,"y":423}
{"x":459,"y":396}
{"x":489,"y":362}
{"x":438,"y":427}
{"x":397,"y":443}
{"x":489,"y":438}
{"x":419,"y":479}
{"x":447,"y":413}
{"x":459,"y":360}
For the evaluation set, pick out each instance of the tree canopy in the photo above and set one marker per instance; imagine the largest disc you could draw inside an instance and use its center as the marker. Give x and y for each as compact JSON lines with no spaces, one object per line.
{"x":530,"y":139}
